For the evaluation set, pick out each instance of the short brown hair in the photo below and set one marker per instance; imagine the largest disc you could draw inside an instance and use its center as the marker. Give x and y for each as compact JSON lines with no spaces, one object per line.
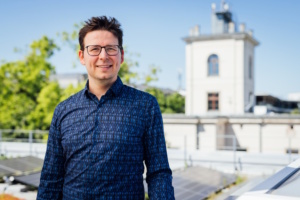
{"x":101,"y":23}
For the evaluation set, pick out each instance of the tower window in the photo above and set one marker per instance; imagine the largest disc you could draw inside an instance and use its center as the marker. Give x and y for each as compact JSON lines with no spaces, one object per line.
{"x":213,"y":65}
{"x":213,"y":101}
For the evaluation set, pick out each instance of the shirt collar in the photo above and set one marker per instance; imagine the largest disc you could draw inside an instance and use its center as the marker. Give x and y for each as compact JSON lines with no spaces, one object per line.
{"x":116,"y":88}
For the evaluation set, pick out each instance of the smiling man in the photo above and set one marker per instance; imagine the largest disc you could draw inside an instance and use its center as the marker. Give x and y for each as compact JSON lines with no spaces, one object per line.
{"x":100,"y":137}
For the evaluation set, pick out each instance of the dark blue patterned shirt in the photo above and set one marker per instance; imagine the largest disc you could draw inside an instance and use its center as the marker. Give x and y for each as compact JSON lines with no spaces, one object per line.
{"x":96,"y":148}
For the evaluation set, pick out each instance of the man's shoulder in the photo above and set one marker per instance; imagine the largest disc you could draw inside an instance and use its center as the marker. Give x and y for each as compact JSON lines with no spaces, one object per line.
{"x":65,"y":106}
{"x":133,"y":93}
{"x":73,"y":99}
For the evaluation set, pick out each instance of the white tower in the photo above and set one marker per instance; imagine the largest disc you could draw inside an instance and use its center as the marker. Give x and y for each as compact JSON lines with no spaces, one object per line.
{"x":220,"y":67}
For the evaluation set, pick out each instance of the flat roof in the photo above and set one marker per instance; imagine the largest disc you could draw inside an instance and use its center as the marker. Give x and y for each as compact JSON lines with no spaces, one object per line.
{"x":236,"y":36}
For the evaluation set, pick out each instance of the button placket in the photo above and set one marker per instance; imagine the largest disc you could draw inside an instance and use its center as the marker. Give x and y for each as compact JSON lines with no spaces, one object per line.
{"x":97,"y":127}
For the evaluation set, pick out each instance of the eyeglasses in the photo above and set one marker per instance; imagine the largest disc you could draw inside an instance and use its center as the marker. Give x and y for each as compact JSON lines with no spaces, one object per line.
{"x":95,"y":50}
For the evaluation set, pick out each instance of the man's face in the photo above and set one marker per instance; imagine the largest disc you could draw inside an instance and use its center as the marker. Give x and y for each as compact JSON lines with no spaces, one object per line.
{"x":102,"y":68}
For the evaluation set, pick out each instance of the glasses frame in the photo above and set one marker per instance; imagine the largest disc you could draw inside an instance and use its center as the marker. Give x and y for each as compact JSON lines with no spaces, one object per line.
{"x":120,"y":48}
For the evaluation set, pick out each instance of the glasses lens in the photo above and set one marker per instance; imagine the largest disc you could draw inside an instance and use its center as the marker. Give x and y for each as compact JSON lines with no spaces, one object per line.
{"x":112,"y":50}
{"x":94,"y":50}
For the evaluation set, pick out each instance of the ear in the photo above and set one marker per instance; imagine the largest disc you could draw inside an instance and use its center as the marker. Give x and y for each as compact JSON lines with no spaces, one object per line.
{"x":81,"y":57}
{"x":122,"y":56}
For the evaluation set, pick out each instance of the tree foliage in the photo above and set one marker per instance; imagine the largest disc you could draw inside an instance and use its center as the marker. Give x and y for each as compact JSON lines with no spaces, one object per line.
{"x":175,"y":102}
{"x":47,"y":100}
{"x":168,"y":103}
{"x":21,"y":83}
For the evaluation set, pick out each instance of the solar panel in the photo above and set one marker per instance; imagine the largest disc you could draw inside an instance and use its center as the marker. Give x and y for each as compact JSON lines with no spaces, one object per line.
{"x":6,"y":171}
{"x":189,"y":184}
{"x":31,"y":179}
{"x":197,"y":182}
{"x":18,"y":166}
{"x":33,"y":160}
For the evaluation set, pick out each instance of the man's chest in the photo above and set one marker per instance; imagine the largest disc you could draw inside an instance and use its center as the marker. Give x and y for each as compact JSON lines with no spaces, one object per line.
{"x":106,"y":126}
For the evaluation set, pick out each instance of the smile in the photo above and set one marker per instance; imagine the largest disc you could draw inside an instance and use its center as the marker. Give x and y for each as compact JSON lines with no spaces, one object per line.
{"x":103,"y":66}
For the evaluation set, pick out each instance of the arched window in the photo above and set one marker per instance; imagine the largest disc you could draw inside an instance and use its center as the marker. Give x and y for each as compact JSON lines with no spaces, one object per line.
{"x":213,"y":65}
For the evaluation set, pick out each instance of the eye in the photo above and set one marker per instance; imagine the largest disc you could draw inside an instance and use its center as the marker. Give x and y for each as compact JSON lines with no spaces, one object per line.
{"x":111,"y":48}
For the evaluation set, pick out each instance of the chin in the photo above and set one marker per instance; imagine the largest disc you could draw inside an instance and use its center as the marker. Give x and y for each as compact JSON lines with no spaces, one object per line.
{"x":105,"y":78}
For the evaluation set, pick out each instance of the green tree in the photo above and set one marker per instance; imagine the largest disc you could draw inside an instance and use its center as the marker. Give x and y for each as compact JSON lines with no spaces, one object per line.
{"x":47,"y":100}
{"x":172,"y":103}
{"x":175,"y":103}
{"x":151,"y":75}
{"x":21,"y":83}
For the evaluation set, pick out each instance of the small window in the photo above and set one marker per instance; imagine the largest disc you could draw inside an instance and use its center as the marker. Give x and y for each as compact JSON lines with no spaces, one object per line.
{"x":213,"y":65}
{"x":213,"y":101}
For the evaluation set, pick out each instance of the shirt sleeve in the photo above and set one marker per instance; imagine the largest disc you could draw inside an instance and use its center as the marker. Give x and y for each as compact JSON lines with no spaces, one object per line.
{"x":159,"y":174}
{"x":52,"y":176}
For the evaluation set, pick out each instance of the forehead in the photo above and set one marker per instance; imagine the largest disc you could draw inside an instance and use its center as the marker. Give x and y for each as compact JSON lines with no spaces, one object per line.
{"x":100,"y":37}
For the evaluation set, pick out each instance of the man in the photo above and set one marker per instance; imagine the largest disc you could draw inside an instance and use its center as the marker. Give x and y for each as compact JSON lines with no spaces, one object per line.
{"x":100,"y":136}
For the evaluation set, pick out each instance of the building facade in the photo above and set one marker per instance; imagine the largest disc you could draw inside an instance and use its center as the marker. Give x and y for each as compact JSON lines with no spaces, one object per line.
{"x":220,"y":91}
{"x":220,"y":67}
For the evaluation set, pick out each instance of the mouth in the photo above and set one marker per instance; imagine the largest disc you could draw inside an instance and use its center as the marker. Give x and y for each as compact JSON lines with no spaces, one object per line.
{"x":104,"y":66}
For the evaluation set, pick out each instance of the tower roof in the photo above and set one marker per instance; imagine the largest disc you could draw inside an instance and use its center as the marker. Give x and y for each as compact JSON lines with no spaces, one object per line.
{"x":236,"y":36}
{"x":223,"y":27}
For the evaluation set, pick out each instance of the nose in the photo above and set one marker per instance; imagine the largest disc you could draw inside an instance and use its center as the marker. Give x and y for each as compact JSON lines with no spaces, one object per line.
{"x":103,"y":54}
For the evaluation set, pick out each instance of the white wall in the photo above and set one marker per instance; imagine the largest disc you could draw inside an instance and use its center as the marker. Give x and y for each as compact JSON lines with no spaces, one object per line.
{"x":189,"y":82}
{"x":264,"y":134}
{"x":247,"y":135}
{"x":179,"y":135}
{"x":207,"y":137}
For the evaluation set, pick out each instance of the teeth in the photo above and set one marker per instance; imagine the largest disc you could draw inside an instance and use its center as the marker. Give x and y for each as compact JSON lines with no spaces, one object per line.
{"x":106,"y":66}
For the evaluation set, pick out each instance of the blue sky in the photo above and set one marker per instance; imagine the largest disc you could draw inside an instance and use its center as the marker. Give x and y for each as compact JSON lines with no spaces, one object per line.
{"x":154,"y":29}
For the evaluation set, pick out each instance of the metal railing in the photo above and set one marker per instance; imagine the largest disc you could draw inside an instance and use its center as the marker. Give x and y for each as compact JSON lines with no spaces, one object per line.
{"x":228,"y":154}
{"x":24,"y":144}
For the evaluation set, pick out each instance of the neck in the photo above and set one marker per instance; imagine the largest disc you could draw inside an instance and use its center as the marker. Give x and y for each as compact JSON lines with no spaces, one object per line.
{"x":99,"y":88}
